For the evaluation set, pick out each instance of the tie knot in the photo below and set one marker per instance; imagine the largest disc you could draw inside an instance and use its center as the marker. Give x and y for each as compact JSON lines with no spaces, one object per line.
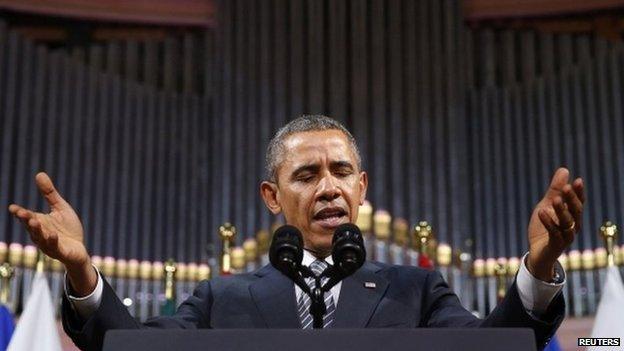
{"x":318,"y":266}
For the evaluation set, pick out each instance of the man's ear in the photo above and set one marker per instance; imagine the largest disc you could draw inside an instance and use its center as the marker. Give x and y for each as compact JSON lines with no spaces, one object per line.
{"x":363,"y":186}
{"x":269,"y":192}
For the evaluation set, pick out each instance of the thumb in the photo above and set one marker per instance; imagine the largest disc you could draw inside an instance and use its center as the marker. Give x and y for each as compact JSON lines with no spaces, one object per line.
{"x":559,"y":179}
{"x":49,"y":192}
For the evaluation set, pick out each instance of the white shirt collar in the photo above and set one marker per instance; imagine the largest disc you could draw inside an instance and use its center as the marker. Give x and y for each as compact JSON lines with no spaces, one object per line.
{"x":308,"y":258}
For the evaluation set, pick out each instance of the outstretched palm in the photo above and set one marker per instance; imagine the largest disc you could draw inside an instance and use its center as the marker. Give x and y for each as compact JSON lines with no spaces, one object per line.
{"x":58,"y":234}
{"x":555,"y":220}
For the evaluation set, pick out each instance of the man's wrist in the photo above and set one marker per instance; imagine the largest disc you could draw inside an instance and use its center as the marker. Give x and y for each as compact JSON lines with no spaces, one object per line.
{"x":82,"y":279}
{"x":540,"y":270}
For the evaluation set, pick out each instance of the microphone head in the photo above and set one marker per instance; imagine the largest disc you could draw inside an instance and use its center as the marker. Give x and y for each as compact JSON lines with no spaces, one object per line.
{"x":286,"y":251}
{"x":348,"y":249}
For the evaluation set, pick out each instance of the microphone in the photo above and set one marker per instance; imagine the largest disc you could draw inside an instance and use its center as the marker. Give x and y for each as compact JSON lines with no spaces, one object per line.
{"x":286,"y":254}
{"x":348,"y":249}
{"x":286,"y":251}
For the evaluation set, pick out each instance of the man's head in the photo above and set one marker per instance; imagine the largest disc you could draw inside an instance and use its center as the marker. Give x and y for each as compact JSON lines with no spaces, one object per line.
{"x":314,"y":178}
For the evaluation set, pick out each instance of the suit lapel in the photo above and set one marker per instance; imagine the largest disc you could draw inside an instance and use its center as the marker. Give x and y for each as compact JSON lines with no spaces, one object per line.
{"x":357,"y":302}
{"x":274,"y":296}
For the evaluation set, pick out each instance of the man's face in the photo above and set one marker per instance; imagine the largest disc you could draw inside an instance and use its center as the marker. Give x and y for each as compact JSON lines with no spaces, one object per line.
{"x":319,"y":186}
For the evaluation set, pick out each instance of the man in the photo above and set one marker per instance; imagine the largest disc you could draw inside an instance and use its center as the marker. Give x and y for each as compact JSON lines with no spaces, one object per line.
{"x":314,"y":178}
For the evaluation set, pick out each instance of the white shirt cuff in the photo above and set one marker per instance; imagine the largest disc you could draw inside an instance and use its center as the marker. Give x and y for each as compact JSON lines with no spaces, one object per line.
{"x":536,"y":295}
{"x":85,"y":306}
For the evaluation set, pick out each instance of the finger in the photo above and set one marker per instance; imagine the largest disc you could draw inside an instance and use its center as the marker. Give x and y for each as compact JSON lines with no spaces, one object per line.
{"x":579,"y":189}
{"x":51,"y":243}
{"x":13,"y":208}
{"x":559,"y":179}
{"x":36,"y":238}
{"x":32,"y":224}
{"x":24,"y":214}
{"x":26,"y":217}
{"x":41,"y":238}
{"x":551,"y":226}
{"x":35,"y":224}
{"x":574,"y":204}
{"x":566,"y":221}
{"x":48,"y":243}
{"x":34,"y":229}
{"x":49,"y":192}
{"x":547,"y":221}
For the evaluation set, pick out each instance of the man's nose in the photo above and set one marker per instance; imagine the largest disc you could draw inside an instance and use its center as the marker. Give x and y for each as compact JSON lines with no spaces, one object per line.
{"x":328,"y":189}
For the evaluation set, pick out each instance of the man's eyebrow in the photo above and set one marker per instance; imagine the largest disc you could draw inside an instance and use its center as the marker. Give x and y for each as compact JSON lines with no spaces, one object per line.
{"x":313,"y":168}
{"x":341,"y":164}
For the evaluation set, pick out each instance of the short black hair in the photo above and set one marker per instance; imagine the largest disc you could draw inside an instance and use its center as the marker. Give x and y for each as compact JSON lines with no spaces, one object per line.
{"x":304,"y":123}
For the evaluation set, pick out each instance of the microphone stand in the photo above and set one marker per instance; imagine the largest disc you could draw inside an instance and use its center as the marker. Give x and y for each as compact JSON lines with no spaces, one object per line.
{"x":286,"y":253}
{"x":298,"y":274}
{"x":317,"y":306}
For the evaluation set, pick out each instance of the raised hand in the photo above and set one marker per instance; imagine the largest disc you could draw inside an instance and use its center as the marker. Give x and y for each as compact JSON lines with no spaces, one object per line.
{"x":555,"y":221}
{"x":59,"y":234}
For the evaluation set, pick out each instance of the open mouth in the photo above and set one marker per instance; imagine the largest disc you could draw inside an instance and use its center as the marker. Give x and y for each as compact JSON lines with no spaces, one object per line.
{"x":331,"y":217}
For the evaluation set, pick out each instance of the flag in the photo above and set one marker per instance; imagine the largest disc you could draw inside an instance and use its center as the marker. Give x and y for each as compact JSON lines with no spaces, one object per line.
{"x":425,"y":262}
{"x":608,"y":323}
{"x":36,"y":329}
{"x":553,"y":345}
{"x":6,"y":327}
{"x":168,"y":308}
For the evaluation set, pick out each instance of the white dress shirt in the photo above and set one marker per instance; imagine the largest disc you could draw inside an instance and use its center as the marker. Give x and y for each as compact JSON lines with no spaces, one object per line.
{"x":308,"y":258}
{"x":535,"y":294}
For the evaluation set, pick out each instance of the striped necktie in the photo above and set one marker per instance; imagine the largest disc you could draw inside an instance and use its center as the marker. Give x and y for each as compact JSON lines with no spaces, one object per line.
{"x":303,"y":305}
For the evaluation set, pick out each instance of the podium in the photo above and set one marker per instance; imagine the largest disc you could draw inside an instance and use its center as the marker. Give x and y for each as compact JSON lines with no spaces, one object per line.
{"x":444,"y":339}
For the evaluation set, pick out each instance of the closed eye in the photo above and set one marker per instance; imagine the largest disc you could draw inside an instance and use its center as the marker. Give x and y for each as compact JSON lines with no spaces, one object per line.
{"x":342,"y":168}
{"x":305,"y":179}
{"x":305,"y":173}
{"x":344,"y":173}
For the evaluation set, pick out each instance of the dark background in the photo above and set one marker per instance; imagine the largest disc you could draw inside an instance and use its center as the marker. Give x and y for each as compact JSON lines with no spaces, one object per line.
{"x":154,"y":124}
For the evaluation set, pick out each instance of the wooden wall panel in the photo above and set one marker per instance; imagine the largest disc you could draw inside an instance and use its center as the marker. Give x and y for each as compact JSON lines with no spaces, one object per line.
{"x":162,"y":12}
{"x":483,"y":9}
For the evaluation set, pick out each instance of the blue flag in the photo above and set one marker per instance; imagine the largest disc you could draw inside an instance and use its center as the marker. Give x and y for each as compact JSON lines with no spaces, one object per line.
{"x":553,"y":345}
{"x":6,"y":327}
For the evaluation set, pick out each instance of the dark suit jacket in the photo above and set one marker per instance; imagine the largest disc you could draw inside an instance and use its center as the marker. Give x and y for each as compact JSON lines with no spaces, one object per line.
{"x":404,"y":297}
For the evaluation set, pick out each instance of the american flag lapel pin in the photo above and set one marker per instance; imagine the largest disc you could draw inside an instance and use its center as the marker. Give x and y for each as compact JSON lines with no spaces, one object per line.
{"x":370,"y":285}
